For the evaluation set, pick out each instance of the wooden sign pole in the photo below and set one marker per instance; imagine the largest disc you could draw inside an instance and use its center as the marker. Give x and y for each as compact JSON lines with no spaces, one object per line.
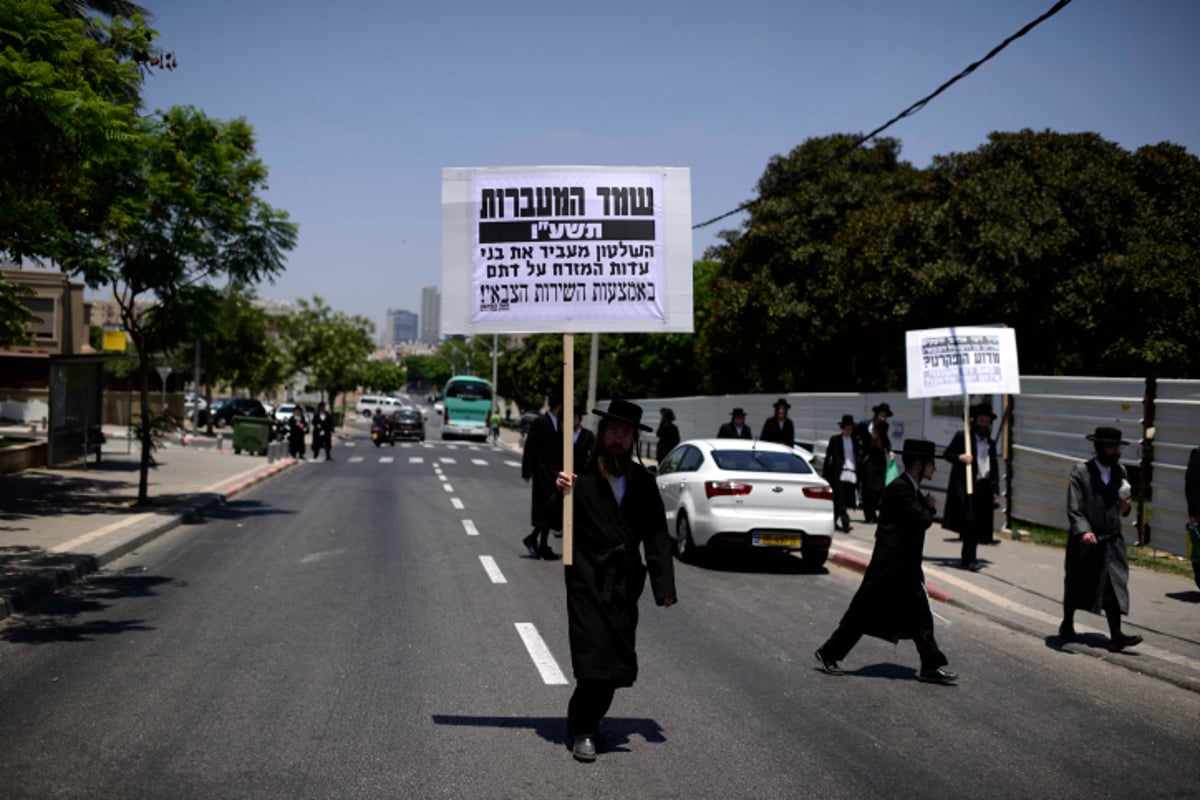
{"x":567,"y":426}
{"x":968,"y":440}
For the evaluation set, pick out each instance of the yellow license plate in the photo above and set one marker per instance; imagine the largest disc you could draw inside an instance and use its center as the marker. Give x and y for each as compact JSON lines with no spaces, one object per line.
{"x":776,"y":540}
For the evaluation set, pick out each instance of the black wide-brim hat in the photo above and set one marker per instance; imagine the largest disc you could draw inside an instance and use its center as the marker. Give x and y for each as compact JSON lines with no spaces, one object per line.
{"x":624,"y":411}
{"x":738,"y":412}
{"x":982,"y":410}
{"x":847,"y":419}
{"x":919,"y":448}
{"x":1105,"y":435}
{"x":884,"y":407}
{"x":781,"y":402}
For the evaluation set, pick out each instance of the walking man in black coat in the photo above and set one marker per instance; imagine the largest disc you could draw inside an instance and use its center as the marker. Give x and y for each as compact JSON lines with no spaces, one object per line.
{"x":736,"y":427}
{"x":1097,"y":567}
{"x":322,"y":437}
{"x":617,"y":513}
{"x":668,"y":435}
{"x":778,"y":428}
{"x":972,"y":516}
{"x":876,"y":450}
{"x":1191,"y":491}
{"x":891,"y":603}
{"x":541,"y":461}
{"x":840,"y":470}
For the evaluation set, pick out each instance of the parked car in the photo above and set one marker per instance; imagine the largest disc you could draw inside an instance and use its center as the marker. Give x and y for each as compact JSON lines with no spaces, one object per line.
{"x":193,"y":404}
{"x":740,"y":493}
{"x":367,"y":405}
{"x":224,"y":410}
{"x":409,"y":423}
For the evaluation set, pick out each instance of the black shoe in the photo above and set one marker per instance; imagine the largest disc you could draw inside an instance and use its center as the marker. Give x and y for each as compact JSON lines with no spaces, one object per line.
{"x":940,"y":676}
{"x":971,"y":566}
{"x":1066,"y":633}
{"x":530,"y":543}
{"x":546,"y":554}
{"x":1122,"y":641}
{"x":828,"y":665}
{"x":585,"y":748}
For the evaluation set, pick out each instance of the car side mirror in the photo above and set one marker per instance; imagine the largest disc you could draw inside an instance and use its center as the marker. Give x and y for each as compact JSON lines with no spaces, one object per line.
{"x":652,"y":469}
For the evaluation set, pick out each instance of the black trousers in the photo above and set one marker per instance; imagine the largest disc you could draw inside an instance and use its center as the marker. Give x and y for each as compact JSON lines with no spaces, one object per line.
{"x":978,"y":529}
{"x":843,"y":499}
{"x":848,"y":633}
{"x":589,"y":704}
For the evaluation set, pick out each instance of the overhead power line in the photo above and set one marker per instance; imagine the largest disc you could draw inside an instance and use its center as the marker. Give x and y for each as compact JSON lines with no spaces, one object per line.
{"x":908,"y":112}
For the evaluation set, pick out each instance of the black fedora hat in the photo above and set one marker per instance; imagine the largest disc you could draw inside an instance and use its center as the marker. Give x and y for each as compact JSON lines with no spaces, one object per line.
{"x":919,"y":448}
{"x":781,"y":402}
{"x":847,"y":419}
{"x":667,"y":414}
{"x":624,"y":411}
{"x":982,"y":410}
{"x":738,"y":412}
{"x":1106,"y":435}
{"x":884,"y":407}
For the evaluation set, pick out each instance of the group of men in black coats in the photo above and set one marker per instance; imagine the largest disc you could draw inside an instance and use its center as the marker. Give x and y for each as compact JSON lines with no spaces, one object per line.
{"x":298,"y":427}
{"x":541,"y":461}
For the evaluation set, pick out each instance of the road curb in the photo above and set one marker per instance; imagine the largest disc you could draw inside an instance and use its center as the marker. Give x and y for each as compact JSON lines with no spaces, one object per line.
{"x":860,"y":565}
{"x":72,"y":567}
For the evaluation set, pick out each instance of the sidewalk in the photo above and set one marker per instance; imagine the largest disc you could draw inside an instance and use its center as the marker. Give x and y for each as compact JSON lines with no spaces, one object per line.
{"x":1020,"y":586}
{"x":57,"y":525}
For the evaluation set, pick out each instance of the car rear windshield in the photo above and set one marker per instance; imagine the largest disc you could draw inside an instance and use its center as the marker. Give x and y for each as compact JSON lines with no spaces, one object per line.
{"x":761,"y":461}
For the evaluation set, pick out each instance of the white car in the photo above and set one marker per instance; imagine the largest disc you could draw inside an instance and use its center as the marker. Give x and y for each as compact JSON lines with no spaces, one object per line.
{"x":745,"y":494}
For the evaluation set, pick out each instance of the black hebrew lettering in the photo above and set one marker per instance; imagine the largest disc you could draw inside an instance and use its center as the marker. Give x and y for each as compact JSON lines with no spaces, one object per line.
{"x":503,"y":270}
{"x":624,"y":201}
{"x":622,"y":292}
{"x":520,"y":252}
{"x":539,"y":201}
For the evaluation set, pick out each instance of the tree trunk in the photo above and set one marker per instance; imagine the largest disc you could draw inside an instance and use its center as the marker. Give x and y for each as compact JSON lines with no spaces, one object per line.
{"x":147,"y":422}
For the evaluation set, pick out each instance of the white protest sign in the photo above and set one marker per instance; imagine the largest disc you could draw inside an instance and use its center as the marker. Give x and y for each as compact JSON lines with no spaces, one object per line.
{"x":566,"y":249}
{"x":962,"y":361}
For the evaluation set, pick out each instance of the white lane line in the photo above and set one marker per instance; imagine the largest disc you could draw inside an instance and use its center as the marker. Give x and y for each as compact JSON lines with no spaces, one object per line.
{"x":442,"y":477}
{"x":451,"y":447}
{"x":454,"y":501}
{"x":349,"y":444}
{"x":386,"y":459}
{"x":481,"y":462}
{"x":513,"y":463}
{"x":355,"y":459}
{"x":416,"y":460}
{"x":470,"y":526}
{"x":447,"y":487}
{"x":446,"y":460}
{"x":493,"y":571}
{"x":545,"y":663}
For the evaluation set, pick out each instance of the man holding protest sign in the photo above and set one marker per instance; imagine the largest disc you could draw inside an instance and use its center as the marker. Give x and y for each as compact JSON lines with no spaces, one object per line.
{"x":972,"y":516}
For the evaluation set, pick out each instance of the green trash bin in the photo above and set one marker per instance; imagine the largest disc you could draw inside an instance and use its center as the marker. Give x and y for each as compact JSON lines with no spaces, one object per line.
{"x":251,"y":434}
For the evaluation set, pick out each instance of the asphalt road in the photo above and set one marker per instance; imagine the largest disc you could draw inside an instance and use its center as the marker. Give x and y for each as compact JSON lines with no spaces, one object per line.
{"x":340,"y":632}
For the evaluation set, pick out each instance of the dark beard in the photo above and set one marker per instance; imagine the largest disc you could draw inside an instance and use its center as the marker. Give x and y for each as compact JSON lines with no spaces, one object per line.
{"x":616,"y":461}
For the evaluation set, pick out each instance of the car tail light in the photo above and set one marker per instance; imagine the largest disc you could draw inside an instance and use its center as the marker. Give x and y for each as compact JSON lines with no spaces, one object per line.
{"x":718,"y":488}
{"x":819,"y":493}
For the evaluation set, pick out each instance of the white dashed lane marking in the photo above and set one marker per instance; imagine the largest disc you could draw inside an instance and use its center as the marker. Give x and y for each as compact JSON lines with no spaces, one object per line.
{"x":446,"y":460}
{"x":542,"y":659}
{"x":355,"y":459}
{"x":470,"y":527}
{"x":454,"y":501}
{"x":416,"y":460}
{"x":481,"y":462}
{"x":493,"y":571}
{"x":513,"y":463}
{"x":447,"y":487}
{"x":386,"y":459}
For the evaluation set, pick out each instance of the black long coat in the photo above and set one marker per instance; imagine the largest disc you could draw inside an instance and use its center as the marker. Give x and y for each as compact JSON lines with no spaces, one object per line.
{"x":540,"y":464}
{"x":960,"y":511}
{"x":608,"y":576}
{"x":872,"y":469}
{"x":727,"y":431}
{"x":1094,"y":506}
{"x":772,"y":431}
{"x":668,"y":438}
{"x":891,"y":603}
{"x":835,"y":458}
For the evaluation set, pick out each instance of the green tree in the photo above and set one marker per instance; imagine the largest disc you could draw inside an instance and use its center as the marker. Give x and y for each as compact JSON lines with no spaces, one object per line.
{"x":384,"y":376}
{"x":329,"y":345}
{"x":189,"y":217}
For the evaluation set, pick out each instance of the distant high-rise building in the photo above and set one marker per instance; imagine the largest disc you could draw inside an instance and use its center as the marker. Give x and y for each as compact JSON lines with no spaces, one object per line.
{"x":431,"y":315}
{"x":401,"y":327}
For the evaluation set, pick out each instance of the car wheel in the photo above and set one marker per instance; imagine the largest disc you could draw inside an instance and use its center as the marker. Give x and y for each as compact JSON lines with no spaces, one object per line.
{"x":685,"y":548}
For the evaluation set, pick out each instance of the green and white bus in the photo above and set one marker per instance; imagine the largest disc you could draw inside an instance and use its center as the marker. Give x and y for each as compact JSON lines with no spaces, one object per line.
{"x":467,"y":401}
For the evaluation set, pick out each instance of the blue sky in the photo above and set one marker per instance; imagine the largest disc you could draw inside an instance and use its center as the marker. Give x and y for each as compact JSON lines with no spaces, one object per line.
{"x":359,"y":105}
